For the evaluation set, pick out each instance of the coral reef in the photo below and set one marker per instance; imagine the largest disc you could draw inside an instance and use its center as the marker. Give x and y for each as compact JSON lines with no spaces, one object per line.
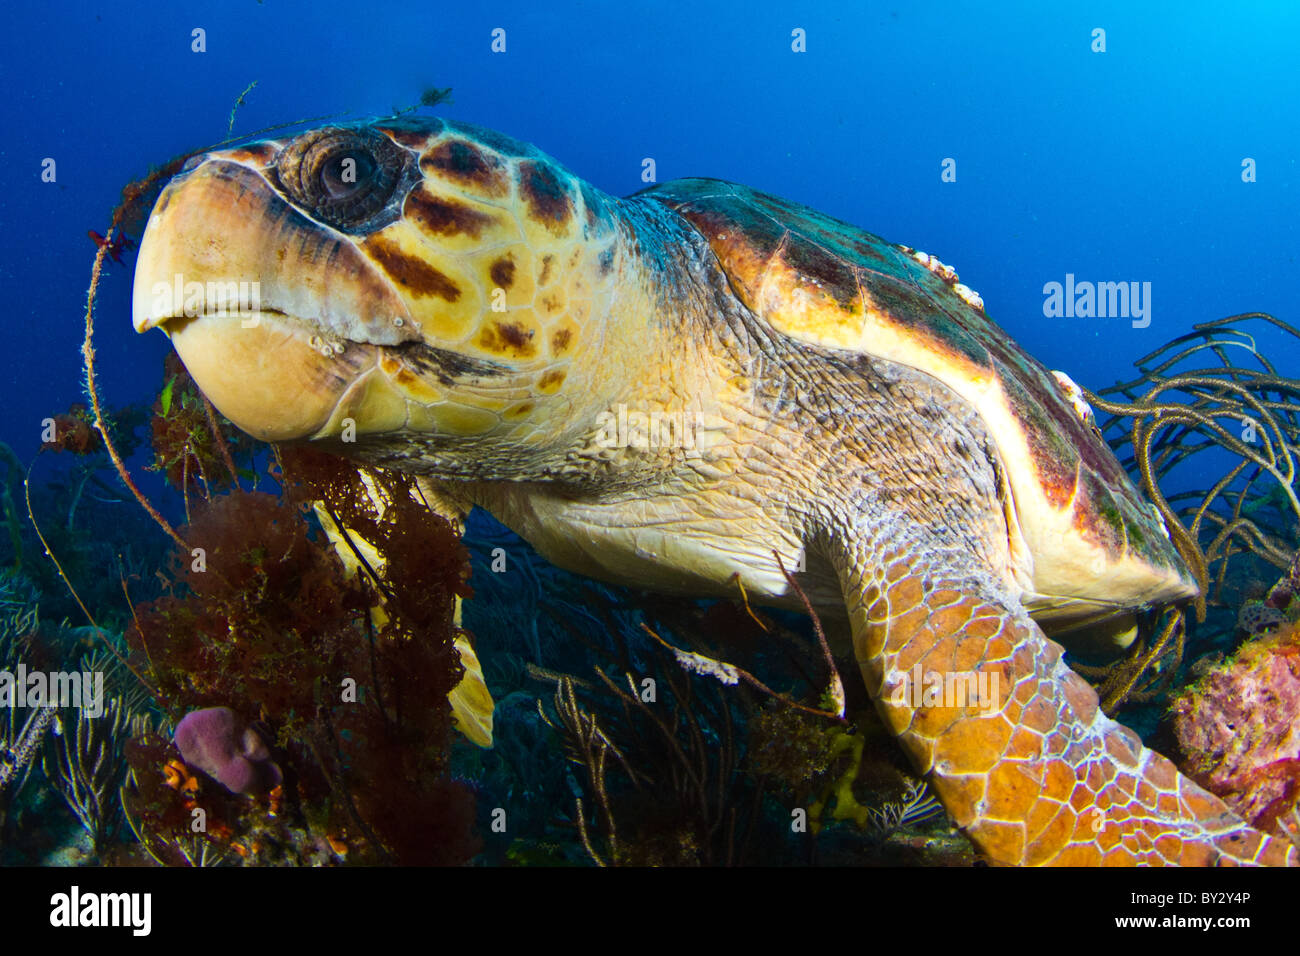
{"x":22,"y":729}
{"x":180,"y":821}
{"x":84,"y":760}
{"x":676,"y":763}
{"x":256,"y":621}
{"x":68,"y":749}
{"x":682,"y":796}
{"x":1280,"y":606}
{"x":265,"y":624}
{"x":1238,"y":729}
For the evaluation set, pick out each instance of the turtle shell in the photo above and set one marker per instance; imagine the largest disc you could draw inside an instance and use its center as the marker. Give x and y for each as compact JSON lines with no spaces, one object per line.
{"x":1085,"y":542}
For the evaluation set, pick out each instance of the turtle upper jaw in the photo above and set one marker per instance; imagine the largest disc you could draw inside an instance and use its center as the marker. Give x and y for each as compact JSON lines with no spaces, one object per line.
{"x":273,"y":378}
{"x":220,"y":239}
{"x":276,"y":316}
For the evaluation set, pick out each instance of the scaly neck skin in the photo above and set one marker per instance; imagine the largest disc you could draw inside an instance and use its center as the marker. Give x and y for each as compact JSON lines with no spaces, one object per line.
{"x":780,"y":424}
{"x":688,"y":516}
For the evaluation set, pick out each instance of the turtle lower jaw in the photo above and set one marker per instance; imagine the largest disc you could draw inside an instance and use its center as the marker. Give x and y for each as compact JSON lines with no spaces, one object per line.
{"x":280,"y":378}
{"x":272,"y":375}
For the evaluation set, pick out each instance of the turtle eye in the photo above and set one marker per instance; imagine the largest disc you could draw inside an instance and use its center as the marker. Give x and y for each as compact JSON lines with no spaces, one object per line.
{"x":344,"y":177}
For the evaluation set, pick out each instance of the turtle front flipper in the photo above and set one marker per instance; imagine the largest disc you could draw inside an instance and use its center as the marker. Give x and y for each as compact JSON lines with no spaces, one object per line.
{"x":1012,"y":740}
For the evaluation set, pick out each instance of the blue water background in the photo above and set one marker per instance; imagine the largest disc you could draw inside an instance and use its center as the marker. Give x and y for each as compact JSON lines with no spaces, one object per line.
{"x":1117,"y":166}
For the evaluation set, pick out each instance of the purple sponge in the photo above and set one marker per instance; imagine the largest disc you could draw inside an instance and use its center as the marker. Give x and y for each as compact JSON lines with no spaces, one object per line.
{"x":215,"y":741}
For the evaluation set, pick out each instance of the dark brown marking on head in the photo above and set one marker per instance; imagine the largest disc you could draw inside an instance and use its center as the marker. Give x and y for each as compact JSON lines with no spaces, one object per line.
{"x":440,"y":216}
{"x":411,"y":273}
{"x":467,"y":165}
{"x":503,"y":271}
{"x":560,"y":341}
{"x":551,"y":380}
{"x":508,"y":338}
{"x":552,"y":303}
{"x":548,"y":200}
{"x":519,"y":411}
{"x":447,"y":366}
{"x":545,"y":275}
{"x":514,"y":335}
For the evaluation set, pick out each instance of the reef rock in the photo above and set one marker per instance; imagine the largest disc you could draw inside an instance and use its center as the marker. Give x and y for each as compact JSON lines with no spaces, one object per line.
{"x":1238,"y":729}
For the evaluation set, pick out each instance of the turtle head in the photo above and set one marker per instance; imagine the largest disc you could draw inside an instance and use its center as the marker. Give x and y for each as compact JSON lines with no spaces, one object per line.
{"x":418,"y":287}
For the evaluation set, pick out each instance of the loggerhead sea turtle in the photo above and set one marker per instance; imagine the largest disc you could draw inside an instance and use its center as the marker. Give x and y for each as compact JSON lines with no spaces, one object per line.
{"x":670,"y":390}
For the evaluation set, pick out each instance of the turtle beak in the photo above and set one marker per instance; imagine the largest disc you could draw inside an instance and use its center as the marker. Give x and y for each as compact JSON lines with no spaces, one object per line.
{"x":278,"y":318}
